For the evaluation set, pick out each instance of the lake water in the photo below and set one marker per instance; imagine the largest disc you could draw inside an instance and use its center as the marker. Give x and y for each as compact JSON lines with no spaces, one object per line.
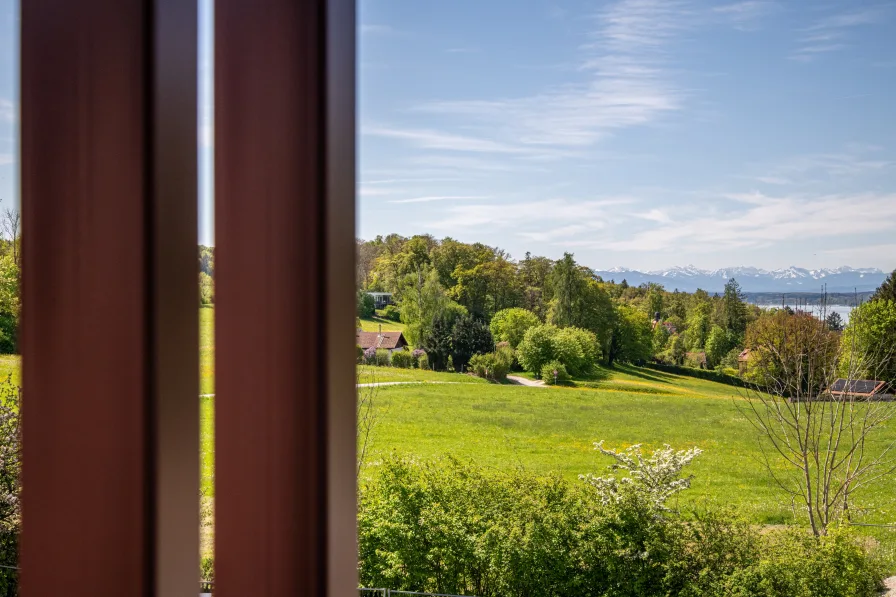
{"x":843,"y":310}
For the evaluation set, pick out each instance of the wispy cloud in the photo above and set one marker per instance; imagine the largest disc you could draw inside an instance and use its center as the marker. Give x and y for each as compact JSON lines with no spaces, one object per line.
{"x":762,"y":221}
{"x":7,"y":158}
{"x":831,"y":33}
{"x":746,"y":15}
{"x":528,"y":217}
{"x":854,"y":160}
{"x":439,"y":198}
{"x":409,"y":180}
{"x":552,"y":234}
{"x":461,"y":50}
{"x":622,"y":82}
{"x":365,"y":191}
{"x":432,"y":139}
{"x":7,"y":111}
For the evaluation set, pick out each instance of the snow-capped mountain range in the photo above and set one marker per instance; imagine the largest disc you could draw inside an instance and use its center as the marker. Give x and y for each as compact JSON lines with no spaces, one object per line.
{"x":753,"y":279}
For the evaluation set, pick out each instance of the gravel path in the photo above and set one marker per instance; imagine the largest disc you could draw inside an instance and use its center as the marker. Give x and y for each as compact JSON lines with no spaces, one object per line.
{"x":522,"y":381}
{"x":890,"y":591}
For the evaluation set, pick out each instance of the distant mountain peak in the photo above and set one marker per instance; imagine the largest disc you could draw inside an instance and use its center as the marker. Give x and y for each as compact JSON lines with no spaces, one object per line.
{"x":753,"y":279}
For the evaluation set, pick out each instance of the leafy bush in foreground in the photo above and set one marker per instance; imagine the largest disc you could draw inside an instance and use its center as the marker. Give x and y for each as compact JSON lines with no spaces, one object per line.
{"x":450,"y":527}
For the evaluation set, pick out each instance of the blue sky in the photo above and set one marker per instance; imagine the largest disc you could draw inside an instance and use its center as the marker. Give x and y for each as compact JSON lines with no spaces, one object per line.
{"x":644,"y":133}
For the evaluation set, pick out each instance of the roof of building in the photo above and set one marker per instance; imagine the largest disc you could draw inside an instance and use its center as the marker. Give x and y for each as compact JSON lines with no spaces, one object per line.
{"x":389,"y":340}
{"x":744,"y":355}
{"x":857,"y":387}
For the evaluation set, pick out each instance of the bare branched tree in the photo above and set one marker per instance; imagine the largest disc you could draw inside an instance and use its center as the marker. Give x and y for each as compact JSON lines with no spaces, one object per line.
{"x":11,"y":222}
{"x":821,"y":447}
{"x":368,"y":413}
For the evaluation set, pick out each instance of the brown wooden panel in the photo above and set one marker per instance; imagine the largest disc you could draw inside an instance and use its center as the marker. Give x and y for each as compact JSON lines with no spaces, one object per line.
{"x":284,"y":337}
{"x":175,"y":298}
{"x":85,"y":309}
{"x":102,"y":301}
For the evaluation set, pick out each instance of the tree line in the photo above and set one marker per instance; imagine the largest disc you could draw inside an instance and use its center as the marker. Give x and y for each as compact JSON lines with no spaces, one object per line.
{"x":457,"y":299}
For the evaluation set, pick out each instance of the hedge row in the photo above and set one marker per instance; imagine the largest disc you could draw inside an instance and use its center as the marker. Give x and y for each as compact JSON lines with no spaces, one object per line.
{"x":707,"y":374}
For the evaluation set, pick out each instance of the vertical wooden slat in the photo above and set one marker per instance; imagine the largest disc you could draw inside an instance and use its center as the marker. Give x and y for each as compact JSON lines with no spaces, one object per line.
{"x":175,"y":294}
{"x":108,"y":217}
{"x":284,"y":180}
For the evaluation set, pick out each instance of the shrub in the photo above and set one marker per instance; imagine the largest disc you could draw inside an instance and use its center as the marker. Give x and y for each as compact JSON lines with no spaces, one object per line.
{"x":415,"y":357}
{"x":10,"y":482}
{"x":445,"y":526}
{"x":469,"y":337}
{"x":511,"y":325}
{"x":207,"y":569}
{"x":382,"y":357}
{"x":423,"y":362}
{"x":402,"y":359}
{"x":392,"y":313}
{"x":494,"y":365}
{"x":536,"y":349}
{"x":576,"y":349}
{"x":366,"y":305}
{"x":795,"y":563}
{"x":437,"y":341}
{"x":550,"y":377}
{"x":370,"y":356}
{"x":729,"y":361}
{"x":360,"y":353}
{"x":206,"y":289}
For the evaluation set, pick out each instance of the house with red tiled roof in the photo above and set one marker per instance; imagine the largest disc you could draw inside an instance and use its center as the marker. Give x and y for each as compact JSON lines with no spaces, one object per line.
{"x":391,"y":341}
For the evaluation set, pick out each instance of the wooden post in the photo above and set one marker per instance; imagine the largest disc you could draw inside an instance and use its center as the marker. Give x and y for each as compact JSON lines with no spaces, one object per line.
{"x":285,"y":404}
{"x":109,"y":321}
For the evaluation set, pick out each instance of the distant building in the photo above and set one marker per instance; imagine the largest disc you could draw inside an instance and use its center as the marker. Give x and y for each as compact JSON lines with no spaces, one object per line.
{"x":391,"y":341}
{"x":743,"y":360}
{"x":381,"y":299}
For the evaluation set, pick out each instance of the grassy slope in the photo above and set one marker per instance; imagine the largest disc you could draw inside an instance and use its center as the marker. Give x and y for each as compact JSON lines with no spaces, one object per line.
{"x":553,"y":430}
{"x":207,"y":404}
{"x":207,"y":351}
{"x":368,"y":374}
{"x":10,"y":364}
{"x":373,"y":325}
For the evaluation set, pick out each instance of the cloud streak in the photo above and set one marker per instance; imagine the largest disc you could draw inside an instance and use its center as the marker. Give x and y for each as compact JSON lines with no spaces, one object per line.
{"x":440,"y":198}
{"x":763,"y":221}
{"x":624,"y":84}
{"x":831,"y":33}
{"x":528,"y":217}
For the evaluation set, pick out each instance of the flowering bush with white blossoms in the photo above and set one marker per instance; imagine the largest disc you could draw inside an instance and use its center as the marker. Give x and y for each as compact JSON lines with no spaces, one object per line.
{"x":655,"y":478}
{"x":10,"y":483}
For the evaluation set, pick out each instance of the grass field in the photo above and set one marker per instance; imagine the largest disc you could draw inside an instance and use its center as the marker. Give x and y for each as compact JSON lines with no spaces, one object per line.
{"x":373,"y":324}
{"x":553,"y":429}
